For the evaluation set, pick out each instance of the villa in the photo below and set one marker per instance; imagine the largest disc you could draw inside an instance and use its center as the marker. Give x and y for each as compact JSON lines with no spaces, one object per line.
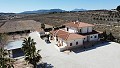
{"x":75,"y":34}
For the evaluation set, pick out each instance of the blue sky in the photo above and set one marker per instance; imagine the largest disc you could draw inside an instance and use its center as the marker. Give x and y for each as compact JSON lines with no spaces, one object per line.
{"x":26,"y":5}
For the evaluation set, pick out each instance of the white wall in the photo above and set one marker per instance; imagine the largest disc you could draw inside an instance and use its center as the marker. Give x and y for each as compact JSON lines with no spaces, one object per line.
{"x":89,"y":29}
{"x":92,"y":37}
{"x":71,"y":29}
{"x":37,"y":33}
{"x":61,"y":48}
{"x":84,"y":30}
{"x":80,"y":42}
{"x":54,"y":38}
{"x":85,"y":39}
{"x":64,"y":43}
{"x":42,"y":33}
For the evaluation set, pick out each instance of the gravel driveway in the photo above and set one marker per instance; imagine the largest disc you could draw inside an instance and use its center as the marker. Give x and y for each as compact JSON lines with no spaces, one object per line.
{"x":106,"y":55}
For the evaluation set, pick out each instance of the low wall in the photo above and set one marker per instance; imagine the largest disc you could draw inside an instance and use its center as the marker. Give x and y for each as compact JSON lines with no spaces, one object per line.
{"x":59,"y":49}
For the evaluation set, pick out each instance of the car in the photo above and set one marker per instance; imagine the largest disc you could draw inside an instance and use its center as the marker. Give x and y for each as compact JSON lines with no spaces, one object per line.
{"x":47,"y":41}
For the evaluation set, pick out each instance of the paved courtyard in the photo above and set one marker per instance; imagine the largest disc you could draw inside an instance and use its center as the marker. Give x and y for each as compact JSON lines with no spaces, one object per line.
{"x":106,"y":55}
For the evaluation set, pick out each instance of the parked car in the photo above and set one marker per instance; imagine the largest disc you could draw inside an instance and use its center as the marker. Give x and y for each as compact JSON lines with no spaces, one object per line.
{"x":47,"y":40}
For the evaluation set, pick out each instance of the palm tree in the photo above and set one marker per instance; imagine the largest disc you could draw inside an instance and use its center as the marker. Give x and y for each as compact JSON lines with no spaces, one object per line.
{"x":29,"y":49}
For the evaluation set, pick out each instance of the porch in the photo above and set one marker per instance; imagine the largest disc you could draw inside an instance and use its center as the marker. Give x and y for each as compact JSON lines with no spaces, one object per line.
{"x":85,"y":45}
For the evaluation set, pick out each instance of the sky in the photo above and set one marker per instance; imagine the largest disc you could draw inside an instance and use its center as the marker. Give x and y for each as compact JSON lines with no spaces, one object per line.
{"x":17,"y":6}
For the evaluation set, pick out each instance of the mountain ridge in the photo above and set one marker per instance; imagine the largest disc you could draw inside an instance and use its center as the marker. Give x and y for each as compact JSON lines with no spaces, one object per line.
{"x":42,"y":11}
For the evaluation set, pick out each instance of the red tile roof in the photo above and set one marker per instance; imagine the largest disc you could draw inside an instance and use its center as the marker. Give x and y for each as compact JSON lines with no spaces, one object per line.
{"x":66,"y":36}
{"x":78,"y":24}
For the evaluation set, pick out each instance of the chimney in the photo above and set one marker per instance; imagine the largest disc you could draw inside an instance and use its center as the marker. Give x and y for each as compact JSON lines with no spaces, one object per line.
{"x":74,"y":22}
{"x":77,"y":21}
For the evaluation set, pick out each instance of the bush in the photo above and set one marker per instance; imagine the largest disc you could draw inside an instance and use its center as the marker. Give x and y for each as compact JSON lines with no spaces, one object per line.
{"x":47,"y":29}
{"x":110,"y":37}
{"x":118,"y":8}
{"x":107,"y":37}
{"x":43,"y":26}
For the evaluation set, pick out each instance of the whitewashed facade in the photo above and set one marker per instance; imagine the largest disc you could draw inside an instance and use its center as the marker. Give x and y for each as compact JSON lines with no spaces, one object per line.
{"x":92,"y":37}
{"x":71,"y":29}
{"x":79,"y":30}
{"x":67,"y":44}
{"x":86,"y":31}
{"x":74,"y":42}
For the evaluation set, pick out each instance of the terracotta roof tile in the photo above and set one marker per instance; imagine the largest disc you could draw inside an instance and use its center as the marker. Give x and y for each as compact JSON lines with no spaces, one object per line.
{"x":78,"y":24}
{"x":73,"y":36}
{"x":67,"y":36}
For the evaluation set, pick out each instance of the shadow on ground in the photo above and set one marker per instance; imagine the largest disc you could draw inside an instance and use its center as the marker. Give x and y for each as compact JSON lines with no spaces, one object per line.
{"x":83,"y":49}
{"x":45,"y":65}
{"x":17,"y":53}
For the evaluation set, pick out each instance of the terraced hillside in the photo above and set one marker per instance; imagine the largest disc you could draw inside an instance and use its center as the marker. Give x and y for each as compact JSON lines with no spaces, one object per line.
{"x":103,"y":19}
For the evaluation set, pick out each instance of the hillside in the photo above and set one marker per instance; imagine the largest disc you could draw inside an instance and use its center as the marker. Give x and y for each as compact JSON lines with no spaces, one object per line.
{"x":103,"y":19}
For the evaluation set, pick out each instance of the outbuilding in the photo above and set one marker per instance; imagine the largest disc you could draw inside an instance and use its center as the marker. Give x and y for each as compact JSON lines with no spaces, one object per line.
{"x":14,"y":48}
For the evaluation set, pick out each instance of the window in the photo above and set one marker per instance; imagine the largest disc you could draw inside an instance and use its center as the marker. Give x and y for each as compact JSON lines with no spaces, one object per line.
{"x":76,"y":43}
{"x":56,"y":38}
{"x":67,"y":28}
{"x":91,"y":36}
{"x":80,"y":30}
{"x":95,"y":36}
{"x":70,"y":44}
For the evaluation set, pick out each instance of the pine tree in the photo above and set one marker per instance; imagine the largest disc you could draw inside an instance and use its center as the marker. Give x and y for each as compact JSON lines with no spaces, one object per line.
{"x":118,"y":8}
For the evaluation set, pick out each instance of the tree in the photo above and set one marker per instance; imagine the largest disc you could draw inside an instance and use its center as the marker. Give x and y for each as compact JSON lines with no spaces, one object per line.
{"x":5,"y":62}
{"x":118,"y":8}
{"x":3,"y":39}
{"x":30,"y":52}
{"x":104,"y":35}
{"x":43,"y":25}
{"x":110,"y":37}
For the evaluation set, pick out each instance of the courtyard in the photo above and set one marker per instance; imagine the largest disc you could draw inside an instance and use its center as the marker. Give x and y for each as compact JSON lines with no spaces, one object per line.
{"x":106,"y":55}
